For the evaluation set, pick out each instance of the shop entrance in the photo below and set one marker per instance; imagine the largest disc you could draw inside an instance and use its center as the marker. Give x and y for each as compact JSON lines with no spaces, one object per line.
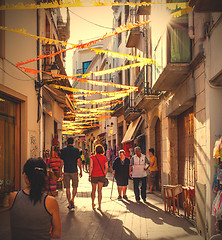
{"x":186,"y":164}
{"x":9,"y":147}
{"x":120,"y":136}
{"x":158,"y":151}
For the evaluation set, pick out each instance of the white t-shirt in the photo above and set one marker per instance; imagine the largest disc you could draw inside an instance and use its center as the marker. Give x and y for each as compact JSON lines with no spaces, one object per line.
{"x":138,"y":164}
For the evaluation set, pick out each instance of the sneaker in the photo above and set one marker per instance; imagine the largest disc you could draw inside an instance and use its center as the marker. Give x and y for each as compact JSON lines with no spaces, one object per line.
{"x":125,"y":197}
{"x":119,"y":197}
{"x":72,"y":204}
{"x":144,"y":200}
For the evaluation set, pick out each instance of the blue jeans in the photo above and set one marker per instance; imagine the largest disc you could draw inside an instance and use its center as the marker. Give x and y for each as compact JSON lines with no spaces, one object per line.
{"x":136,"y":182}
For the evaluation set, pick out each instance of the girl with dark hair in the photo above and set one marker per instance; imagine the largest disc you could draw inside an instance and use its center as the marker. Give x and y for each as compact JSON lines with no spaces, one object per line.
{"x":34,"y":214}
{"x":98,"y":169}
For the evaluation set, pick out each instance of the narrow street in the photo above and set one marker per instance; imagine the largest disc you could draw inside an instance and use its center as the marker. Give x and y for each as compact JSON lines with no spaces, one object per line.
{"x":120,"y":219}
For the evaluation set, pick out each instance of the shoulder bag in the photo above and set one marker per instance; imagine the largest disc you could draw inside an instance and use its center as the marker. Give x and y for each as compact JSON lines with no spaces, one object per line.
{"x":106,"y":183}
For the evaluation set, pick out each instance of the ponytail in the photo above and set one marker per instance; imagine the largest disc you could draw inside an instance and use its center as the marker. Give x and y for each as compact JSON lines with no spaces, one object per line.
{"x":35,"y":170}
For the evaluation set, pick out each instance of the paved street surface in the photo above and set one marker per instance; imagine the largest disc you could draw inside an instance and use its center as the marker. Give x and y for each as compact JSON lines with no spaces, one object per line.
{"x":118,"y":219}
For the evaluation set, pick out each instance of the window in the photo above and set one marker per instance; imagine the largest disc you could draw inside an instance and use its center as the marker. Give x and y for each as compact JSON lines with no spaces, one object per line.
{"x":180,"y":43}
{"x":85,"y":65}
{"x":126,"y":13}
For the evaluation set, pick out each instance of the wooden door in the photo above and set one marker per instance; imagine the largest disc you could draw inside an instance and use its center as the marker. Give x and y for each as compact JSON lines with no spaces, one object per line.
{"x":186,"y":164}
{"x":158,"y":151}
{"x":9,"y":147}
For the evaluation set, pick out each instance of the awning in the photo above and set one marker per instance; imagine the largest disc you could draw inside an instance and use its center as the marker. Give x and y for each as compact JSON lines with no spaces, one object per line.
{"x":132,"y":129}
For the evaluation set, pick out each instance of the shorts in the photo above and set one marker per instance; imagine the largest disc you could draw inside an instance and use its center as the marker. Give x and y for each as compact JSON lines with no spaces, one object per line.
{"x":98,"y":179}
{"x":152,"y":177}
{"x":70,"y":176}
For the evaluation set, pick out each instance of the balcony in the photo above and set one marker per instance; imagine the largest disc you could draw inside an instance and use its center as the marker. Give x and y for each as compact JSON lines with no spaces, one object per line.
{"x":79,"y":71}
{"x":217,"y":79}
{"x":118,"y":110}
{"x":144,"y":10}
{"x":172,"y":54}
{"x":145,"y":97}
{"x":206,"y":5}
{"x":130,"y":112}
{"x":133,"y":35}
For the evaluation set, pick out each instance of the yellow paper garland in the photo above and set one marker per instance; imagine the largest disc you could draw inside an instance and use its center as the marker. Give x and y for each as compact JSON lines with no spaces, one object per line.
{"x":91,"y":3}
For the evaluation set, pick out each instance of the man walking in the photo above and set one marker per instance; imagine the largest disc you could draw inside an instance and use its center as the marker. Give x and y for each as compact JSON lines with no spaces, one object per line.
{"x":138,"y":166}
{"x":71,"y":158}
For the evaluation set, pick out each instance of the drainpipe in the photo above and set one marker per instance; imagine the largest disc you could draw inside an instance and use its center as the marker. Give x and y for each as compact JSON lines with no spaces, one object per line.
{"x":39,"y":94}
{"x":191,"y":25}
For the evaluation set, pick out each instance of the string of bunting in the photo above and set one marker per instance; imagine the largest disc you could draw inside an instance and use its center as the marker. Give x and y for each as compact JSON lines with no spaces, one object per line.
{"x":118,"y":30}
{"x":87,"y":117}
{"x":77,"y":123}
{"x":101,"y":108}
{"x":73,"y":132}
{"x":123,"y":56}
{"x":100,"y":101}
{"x":112,"y":70}
{"x":87,"y":122}
{"x":84,"y":3}
{"x":98,"y":111}
{"x":95,"y":82}
{"x":79,"y":127}
{"x":88,"y":92}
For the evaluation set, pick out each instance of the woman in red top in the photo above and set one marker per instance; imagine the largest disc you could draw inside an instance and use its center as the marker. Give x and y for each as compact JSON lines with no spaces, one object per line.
{"x":97,"y":171}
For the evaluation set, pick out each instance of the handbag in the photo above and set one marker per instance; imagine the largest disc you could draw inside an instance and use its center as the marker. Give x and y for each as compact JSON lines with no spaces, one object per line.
{"x":106,"y":183}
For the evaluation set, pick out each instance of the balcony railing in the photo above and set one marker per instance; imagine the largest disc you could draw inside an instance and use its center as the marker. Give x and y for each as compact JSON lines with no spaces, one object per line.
{"x":130,"y":111}
{"x":145,"y":97}
{"x":128,"y":103}
{"x":117,"y":106}
{"x":143,"y":85}
{"x":144,"y":10}
{"x":79,"y":71}
{"x":134,"y":34}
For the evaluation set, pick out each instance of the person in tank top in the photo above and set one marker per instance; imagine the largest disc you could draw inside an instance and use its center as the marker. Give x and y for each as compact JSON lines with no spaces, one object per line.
{"x":97,"y":172}
{"x":33,"y":214}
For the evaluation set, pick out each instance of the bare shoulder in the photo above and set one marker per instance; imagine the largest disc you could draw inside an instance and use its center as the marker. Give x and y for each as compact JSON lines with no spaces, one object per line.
{"x":51,"y":204}
{"x":12,"y":196}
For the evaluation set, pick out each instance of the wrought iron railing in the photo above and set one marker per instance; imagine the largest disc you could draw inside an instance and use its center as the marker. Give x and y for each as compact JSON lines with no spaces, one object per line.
{"x":143,"y":85}
{"x":117,"y":106}
{"x":129,"y":105}
{"x":79,"y":71}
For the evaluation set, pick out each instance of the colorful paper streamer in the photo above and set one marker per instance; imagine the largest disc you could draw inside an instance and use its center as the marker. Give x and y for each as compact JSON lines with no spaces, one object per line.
{"x":84,"y":3}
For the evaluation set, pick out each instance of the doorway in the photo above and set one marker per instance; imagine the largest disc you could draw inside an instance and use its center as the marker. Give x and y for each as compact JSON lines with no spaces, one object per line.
{"x":186,"y":164}
{"x":158,"y":137}
{"x":9,"y":147}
